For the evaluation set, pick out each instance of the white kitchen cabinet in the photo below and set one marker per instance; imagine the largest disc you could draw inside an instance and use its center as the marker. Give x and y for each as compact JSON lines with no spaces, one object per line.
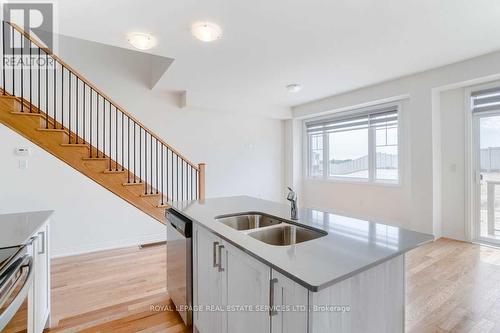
{"x":41,"y":281}
{"x":245,"y":292}
{"x":206,"y":282}
{"x":240,"y":289}
{"x":291,"y":300}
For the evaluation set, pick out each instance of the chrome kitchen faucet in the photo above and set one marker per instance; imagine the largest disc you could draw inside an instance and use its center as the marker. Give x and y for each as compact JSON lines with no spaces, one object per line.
{"x":292,"y":197}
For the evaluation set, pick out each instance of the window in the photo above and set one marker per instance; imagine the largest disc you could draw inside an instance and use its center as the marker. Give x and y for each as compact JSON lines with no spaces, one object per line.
{"x":360,"y":146}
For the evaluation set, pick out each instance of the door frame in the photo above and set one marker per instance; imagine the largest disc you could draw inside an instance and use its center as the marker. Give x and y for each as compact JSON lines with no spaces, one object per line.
{"x":472,"y":168}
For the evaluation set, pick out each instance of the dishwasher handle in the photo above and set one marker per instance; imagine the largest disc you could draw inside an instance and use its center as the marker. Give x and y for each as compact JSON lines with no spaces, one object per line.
{"x":181,"y":223}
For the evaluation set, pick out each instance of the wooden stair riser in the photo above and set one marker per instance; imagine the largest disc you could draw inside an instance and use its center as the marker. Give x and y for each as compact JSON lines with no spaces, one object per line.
{"x":11,"y":102}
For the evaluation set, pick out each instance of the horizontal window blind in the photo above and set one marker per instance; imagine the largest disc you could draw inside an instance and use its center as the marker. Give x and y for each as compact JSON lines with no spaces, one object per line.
{"x":377,"y":117}
{"x":486,"y":100}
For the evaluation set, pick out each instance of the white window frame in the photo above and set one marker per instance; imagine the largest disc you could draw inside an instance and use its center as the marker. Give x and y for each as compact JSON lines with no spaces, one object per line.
{"x":371,"y":149}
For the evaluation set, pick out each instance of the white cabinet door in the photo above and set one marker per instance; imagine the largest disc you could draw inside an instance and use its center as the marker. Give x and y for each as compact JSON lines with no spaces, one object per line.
{"x":207,"y":281}
{"x":41,"y":282}
{"x":245,"y":283}
{"x":291,"y":301}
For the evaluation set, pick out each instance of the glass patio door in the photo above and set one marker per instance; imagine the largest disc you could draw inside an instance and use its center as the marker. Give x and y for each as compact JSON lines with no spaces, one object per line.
{"x":487,"y":165}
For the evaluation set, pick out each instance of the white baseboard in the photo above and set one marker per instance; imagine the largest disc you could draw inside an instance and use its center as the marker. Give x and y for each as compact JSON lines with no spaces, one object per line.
{"x":108,"y":245}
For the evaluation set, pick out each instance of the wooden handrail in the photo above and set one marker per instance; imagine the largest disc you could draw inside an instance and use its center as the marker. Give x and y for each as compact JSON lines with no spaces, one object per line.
{"x":99,"y":92}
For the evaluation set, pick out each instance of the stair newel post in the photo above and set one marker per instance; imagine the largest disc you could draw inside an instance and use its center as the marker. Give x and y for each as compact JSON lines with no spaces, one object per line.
{"x":162,"y":170}
{"x":201,"y":181}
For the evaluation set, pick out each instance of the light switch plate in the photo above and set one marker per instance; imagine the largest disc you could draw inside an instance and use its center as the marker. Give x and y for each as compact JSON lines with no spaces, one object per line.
{"x":23,"y":164}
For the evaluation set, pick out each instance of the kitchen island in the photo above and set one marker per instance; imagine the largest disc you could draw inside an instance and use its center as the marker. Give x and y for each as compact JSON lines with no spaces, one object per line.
{"x":255,"y":270}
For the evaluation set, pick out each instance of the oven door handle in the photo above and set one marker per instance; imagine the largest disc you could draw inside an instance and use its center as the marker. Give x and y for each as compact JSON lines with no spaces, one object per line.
{"x":9,"y":312}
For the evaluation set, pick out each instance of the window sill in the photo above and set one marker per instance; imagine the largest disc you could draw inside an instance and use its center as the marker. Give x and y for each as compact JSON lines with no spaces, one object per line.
{"x":356,"y":181}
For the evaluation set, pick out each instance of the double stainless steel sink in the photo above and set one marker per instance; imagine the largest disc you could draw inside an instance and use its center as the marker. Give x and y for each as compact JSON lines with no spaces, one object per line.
{"x":269,"y":229}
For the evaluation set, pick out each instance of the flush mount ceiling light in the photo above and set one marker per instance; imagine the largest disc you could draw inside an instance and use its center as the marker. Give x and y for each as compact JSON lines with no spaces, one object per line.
{"x":293,"y":88}
{"x":206,"y":31}
{"x":141,"y":41}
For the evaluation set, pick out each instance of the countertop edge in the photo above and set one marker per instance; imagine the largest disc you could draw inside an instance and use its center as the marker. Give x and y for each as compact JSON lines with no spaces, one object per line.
{"x":312,"y":288}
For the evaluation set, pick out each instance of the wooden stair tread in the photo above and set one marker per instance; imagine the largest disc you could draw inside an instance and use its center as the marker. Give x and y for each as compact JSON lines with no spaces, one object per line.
{"x":145,"y":195}
{"x":163,"y":206}
{"x":74,"y":145}
{"x":114,"y":171}
{"x":52,"y":130}
{"x":133,"y":184}
{"x":95,"y":158}
{"x":28,"y":114}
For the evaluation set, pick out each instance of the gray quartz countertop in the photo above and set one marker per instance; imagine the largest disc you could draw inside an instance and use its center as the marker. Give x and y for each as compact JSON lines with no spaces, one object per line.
{"x":18,"y":228}
{"x":351,"y":246}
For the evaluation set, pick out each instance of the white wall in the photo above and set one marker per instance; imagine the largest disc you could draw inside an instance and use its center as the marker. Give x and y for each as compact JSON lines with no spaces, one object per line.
{"x":417,"y":203}
{"x":243,"y":154}
{"x":452,"y":108}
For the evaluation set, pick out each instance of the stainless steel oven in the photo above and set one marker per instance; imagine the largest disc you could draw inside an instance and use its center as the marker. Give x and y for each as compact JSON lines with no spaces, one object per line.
{"x":180,"y":263}
{"x":16,"y":278}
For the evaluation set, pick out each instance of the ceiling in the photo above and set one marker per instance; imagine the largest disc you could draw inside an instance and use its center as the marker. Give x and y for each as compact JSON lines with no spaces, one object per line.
{"x":328,"y":46}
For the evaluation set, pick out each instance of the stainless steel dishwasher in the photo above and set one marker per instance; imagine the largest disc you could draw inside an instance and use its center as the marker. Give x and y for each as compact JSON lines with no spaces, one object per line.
{"x":180,"y":263}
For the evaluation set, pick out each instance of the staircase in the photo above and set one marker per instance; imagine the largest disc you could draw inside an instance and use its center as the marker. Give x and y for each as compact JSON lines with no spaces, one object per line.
{"x":51,"y":104}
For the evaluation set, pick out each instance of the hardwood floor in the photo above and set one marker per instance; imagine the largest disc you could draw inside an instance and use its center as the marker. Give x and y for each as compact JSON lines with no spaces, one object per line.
{"x":451,"y":287}
{"x":113,"y":291}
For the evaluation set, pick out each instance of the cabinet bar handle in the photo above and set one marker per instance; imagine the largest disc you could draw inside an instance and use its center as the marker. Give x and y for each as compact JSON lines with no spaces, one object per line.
{"x":42,"y":250}
{"x":220,"y":258}
{"x":215,"y":254}
{"x":272,"y":310}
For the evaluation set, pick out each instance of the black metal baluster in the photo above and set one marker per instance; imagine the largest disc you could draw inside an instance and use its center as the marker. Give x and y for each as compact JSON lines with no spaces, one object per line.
{"x":122,"y":143}
{"x":97,"y":119}
{"x":172,"y":173}
{"x":103,"y":127}
{"x":47,"y":83}
{"x":140,"y":154}
{"x":145,"y":162}
{"x":177,"y":176}
{"x":55,"y":89}
{"x":77,"y":108}
{"x":84,"y":98}
{"x":91,"y":123}
{"x":3,"y":58}
{"x":69,"y":104}
{"x":157,"y":169}
{"x":128,"y":150}
{"x":62,"y":97}
{"x":135,"y":174}
{"x":38,"y":96}
{"x":22,"y":72}
{"x":110,"y":131}
{"x":151,"y":156}
{"x":166,"y":171}
{"x":116,"y":138}
{"x":31,"y":83}
{"x":13,"y":65}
